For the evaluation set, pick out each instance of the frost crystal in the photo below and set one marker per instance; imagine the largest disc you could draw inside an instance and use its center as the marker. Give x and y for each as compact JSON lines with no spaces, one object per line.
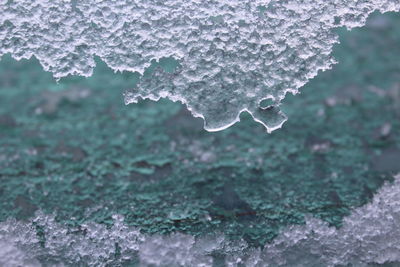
{"x":370,"y":235}
{"x":232,"y":54}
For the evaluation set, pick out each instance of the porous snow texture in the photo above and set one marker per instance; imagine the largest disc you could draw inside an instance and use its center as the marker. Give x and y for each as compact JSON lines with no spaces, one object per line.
{"x":232,"y":53}
{"x":370,"y":235}
{"x":45,"y":240}
{"x":12,"y":256}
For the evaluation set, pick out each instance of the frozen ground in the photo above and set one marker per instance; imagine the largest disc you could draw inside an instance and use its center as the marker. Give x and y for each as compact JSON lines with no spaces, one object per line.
{"x":85,"y":179}
{"x":369,"y":235}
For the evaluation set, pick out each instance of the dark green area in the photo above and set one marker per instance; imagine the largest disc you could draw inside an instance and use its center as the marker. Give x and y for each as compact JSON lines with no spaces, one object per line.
{"x":75,"y":149}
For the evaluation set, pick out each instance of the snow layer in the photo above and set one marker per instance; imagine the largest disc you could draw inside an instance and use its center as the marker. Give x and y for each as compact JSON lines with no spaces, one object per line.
{"x":371,"y":234}
{"x":232,"y":53}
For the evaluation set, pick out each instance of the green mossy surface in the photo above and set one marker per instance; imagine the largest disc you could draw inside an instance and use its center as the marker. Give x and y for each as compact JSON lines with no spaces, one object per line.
{"x":74,"y":149}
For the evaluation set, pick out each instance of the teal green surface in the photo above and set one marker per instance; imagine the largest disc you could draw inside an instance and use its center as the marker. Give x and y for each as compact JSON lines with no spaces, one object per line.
{"x":74,"y":149}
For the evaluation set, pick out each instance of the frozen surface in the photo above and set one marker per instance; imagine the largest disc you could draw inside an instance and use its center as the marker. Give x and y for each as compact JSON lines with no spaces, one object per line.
{"x":369,"y":235}
{"x":231,"y":54}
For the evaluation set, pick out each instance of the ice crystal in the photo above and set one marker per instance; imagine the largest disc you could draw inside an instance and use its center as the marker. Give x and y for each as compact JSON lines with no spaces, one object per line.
{"x":370,"y":235}
{"x":232,"y":54}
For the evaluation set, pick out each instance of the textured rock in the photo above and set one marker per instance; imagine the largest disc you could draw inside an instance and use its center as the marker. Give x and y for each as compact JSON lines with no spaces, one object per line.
{"x":231,"y":54}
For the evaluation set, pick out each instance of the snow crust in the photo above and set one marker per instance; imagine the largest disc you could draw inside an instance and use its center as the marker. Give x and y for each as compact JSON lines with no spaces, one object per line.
{"x":370,"y":235}
{"x":232,"y":54}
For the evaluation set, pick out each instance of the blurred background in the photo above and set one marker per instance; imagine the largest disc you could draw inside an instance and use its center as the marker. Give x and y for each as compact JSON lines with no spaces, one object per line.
{"x":74,"y":151}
